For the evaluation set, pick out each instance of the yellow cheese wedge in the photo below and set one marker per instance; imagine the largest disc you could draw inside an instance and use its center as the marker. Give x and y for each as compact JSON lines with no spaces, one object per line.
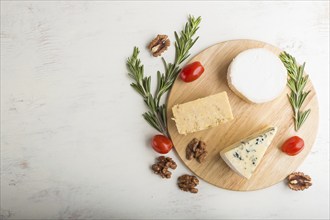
{"x":202,"y":113}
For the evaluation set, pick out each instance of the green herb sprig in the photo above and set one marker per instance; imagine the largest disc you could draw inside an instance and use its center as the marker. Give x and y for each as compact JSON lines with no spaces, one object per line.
{"x":296,"y":82}
{"x":156,"y":115}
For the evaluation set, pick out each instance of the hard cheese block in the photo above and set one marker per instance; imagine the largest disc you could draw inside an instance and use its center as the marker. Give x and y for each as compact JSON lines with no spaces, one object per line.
{"x":244,"y":156}
{"x":202,"y":113}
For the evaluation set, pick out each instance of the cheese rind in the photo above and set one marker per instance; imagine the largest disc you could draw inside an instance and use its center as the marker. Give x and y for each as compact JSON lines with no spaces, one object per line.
{"x":244,"y":156}
{"x":202,"y":113}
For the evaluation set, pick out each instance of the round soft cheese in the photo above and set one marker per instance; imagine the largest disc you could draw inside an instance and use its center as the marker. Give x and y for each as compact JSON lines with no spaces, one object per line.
{"x":257,"y":75}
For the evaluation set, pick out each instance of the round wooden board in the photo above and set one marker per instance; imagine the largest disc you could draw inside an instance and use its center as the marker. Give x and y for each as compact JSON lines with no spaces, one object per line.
{"x":249,"y":118}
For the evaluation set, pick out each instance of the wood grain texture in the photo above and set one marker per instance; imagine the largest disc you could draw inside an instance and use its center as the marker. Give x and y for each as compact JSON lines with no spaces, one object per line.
{"x":249,"y":118}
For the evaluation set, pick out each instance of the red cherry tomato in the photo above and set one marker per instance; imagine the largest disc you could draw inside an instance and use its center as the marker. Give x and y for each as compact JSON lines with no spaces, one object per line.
{"x":161,"y":144}
{"x":293,"y":146}
{"x":192,"y":71}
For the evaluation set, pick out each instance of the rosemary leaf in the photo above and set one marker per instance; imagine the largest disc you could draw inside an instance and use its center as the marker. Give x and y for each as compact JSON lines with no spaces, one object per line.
{"x":302,"y":99}
{"x":151,"y":120}
{"x":303,"y":116}
{"x":137,"y":88}
{"x":292,"y":85}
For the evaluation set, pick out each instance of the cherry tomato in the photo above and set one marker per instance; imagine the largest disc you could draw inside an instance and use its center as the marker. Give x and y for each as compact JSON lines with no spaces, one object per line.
{"x":191,"y":72}
{"x":293,"y":146}
{"x":161,"y":144}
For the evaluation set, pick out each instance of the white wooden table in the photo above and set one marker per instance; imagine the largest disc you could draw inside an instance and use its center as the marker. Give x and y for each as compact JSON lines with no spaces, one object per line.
{"x":73,"y":142}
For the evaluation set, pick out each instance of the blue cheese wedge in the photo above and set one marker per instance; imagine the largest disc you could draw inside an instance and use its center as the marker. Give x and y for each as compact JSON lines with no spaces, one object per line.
{"x":244,"y":157}
{"x":202,"y":113}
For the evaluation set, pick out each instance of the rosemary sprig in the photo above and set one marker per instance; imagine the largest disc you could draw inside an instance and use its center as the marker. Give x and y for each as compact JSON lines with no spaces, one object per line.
{"x":296,"y":82}
{"x":156,"y":115}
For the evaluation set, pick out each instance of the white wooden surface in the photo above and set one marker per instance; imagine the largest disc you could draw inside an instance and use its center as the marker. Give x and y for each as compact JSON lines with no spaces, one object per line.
{"x":73,"y":142}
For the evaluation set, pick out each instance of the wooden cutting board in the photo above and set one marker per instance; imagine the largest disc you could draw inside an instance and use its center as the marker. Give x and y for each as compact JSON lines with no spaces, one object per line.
{"x":249,"y":118}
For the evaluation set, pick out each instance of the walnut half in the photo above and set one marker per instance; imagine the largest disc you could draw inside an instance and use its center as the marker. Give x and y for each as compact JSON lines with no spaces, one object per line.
{"x":158,"y":45}
{"x":196,"y":149}
{"x":162,"y":165}
{"x":188,"y":183}
{"x":299,"y":181}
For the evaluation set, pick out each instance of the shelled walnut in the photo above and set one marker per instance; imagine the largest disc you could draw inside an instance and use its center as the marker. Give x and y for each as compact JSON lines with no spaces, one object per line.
{"x":299,"y":181}
{"x":162,"y":165}
{"x":196,"y":149}
{"x":158,"y":45}
{"x":188,"y":183}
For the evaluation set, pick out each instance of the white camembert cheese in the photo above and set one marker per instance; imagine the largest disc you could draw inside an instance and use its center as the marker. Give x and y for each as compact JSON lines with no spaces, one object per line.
{"x":257,"y":75}
{"x":243,"y":157}
{"x":202,"y":113}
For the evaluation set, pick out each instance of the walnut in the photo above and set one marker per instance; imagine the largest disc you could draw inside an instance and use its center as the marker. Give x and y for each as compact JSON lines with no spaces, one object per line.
{"x":196,"y":149}
{"x":299,"y":181}
{"x":158,"y":45}
{"x":188,"y":183}
{"x":191,"y":148}
{"x":202,"y":157}
{"x":162,"y":165}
